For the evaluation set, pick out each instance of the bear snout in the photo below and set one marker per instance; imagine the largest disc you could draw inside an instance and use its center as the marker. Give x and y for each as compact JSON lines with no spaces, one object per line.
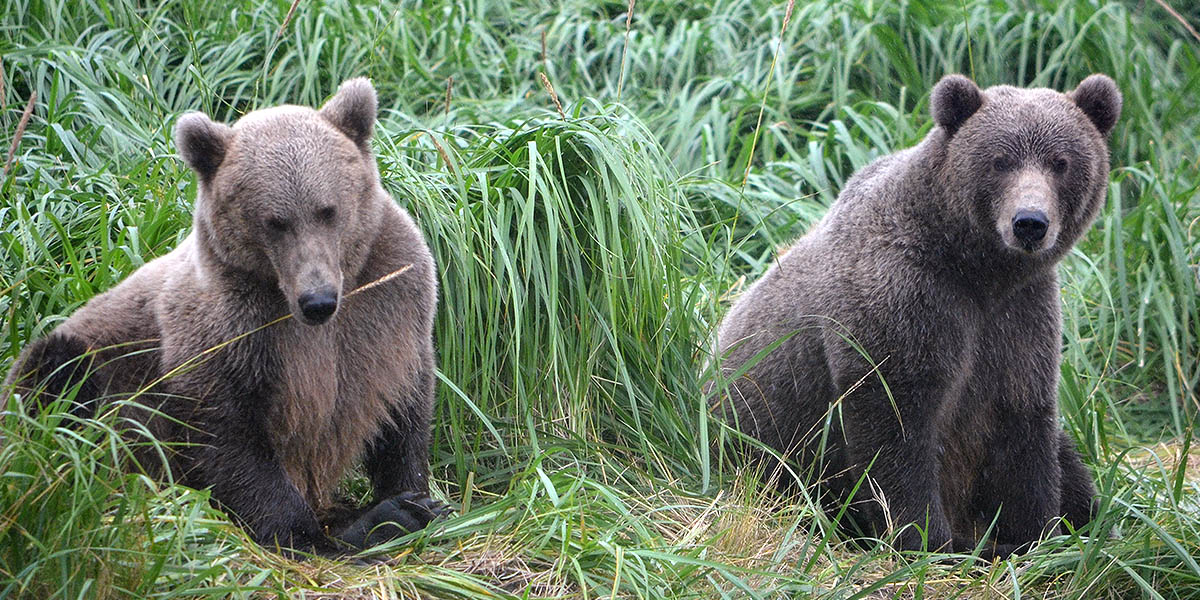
{"x":1028,"y":219}
{"x":1030,"y":227}
{"x":316,"y":306}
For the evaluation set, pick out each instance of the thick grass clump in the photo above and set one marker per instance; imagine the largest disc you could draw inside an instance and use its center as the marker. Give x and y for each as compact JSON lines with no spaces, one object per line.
{"x":596,"y":189}
{"x":569,"y":288}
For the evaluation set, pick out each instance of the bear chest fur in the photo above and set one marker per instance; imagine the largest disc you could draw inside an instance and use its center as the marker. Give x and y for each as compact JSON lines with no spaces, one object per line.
{"x":333,"y":397}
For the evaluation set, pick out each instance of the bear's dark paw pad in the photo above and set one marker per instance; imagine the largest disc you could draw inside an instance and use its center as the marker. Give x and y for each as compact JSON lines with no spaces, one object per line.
{"x":422,"y":507}
{"x":393,"y":518}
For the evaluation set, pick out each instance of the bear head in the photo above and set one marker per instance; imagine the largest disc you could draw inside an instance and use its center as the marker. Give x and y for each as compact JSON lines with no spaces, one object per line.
{"x":288,"y":195}
{"x":1031,"y":165}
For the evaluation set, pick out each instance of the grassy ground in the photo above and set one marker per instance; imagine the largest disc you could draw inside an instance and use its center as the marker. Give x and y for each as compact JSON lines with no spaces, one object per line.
{"x":587,"y":252}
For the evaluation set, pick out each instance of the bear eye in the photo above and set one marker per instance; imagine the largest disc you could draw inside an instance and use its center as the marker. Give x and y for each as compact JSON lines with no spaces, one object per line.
{"x":1004,"y":163}
{"x":326,"y":214}
{"x":277,"y":225}
{"x":1059,"y":164}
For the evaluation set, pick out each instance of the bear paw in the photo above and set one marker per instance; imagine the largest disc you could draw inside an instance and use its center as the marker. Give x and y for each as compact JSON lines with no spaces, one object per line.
{"x":392,"y":518}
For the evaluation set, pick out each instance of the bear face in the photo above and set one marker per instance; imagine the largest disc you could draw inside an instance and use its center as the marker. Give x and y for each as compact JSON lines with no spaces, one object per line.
{"x":1027,"y":163}
{"x":286,"y":194}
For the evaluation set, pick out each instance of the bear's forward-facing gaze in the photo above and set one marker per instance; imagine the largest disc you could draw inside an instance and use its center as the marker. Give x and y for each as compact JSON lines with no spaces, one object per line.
{"x":938,"y":263}
{"x":290,"y":218}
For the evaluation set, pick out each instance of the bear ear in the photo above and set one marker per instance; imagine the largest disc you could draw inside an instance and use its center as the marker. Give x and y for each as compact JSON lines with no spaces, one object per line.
{"x":954,"y":99}
{"x":201,"y":142}
{"x":1100,"y":100}
{"x":352,"y":110}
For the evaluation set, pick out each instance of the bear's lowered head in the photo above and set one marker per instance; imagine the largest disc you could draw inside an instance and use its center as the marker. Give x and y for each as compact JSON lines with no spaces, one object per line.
{"x":288,"y":195}
{"x":1030,"y":166}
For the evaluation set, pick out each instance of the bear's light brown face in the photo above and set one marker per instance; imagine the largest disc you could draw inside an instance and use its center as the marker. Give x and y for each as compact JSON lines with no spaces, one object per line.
{"x":297,"y":191}
{"x":1032,"y":162}
{"x":285,"y":194}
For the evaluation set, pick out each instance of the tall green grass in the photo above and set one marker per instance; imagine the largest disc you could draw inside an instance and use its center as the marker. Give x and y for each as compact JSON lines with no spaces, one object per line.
{"x":559,"y":326}
{"x":585,"y":259}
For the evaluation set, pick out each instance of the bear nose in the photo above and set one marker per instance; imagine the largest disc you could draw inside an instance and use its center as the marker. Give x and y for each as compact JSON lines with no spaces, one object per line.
{"x":1030,"y":226}
{"x":317,"y":306}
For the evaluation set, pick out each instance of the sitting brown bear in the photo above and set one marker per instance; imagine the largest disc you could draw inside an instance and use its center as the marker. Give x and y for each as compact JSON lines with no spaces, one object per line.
{"x":290,"y":218}
{"x":918,"y":324}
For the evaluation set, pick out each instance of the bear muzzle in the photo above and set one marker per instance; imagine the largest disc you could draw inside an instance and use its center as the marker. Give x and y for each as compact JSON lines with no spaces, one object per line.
{"x":1028,"y":220}
{"x":1029,"y":226}
{"x":317,"y":306}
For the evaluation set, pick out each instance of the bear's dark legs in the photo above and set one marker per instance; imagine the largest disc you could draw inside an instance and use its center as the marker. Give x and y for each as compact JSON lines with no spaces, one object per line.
{"x":1079,"y":503}
{"x":397,"y":464}
{"x":1022,"y":522}
{"x":398,"y":459}
{"x":898,"y":494}
{"x":264,"y":501}
{"x":901,"y":462}
{"x":1021,"y":479}
{"x":248,"y":481}
{"x":1015,"y":381}
{"x":897,"y":384}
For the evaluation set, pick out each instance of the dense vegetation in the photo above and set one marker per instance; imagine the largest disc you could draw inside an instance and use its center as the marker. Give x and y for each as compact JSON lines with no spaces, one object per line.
{"x":595,"y":190}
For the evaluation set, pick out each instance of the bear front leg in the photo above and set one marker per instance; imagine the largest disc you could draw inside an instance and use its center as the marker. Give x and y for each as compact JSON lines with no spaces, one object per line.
{"x":901,"y":487}
{"x":1022,"y":479}
{"x":1079,"y":503}
{"x":397,"y":463}
{"x":247,"y":480}
{"x":892,"y":439}
{"x":1077,"y":500}
{"x":894,"y":387}
{"x":398,"y":459}
{"x":1016,"y":381}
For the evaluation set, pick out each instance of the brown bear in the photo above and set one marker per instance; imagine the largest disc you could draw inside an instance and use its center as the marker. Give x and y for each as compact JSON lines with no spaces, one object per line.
{"x":909,"y":343}
{"x":290,"y":219}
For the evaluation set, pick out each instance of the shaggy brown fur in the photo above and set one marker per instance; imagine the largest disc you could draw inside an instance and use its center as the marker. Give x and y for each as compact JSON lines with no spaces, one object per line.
{"x":290,"y":218}
{"x":937,"y":262}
